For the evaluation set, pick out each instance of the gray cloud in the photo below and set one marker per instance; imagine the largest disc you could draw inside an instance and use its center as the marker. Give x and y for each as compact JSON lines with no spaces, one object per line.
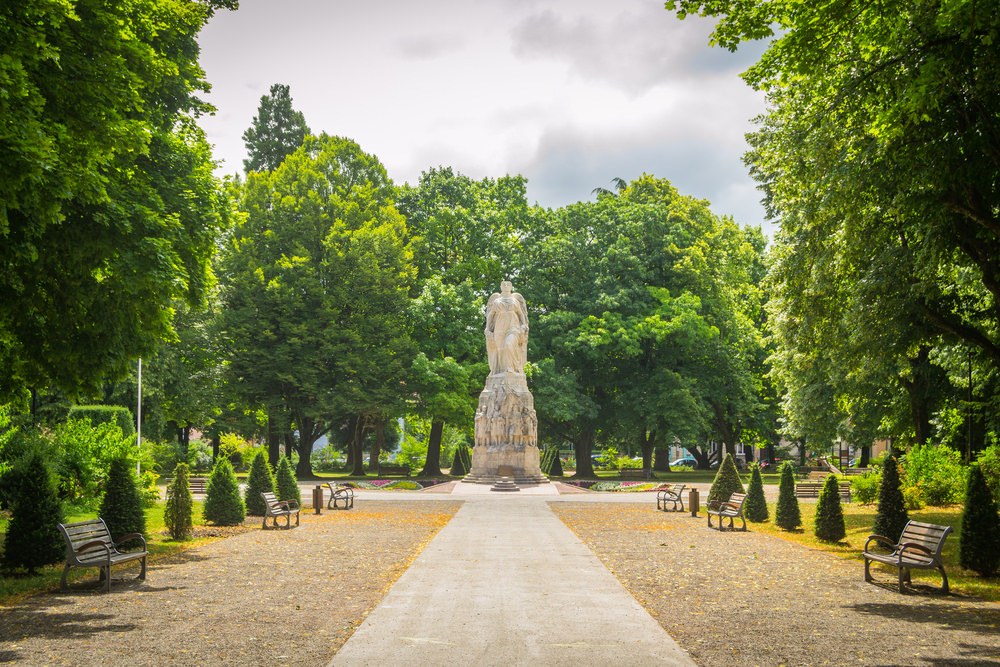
{"x":428,"y":47}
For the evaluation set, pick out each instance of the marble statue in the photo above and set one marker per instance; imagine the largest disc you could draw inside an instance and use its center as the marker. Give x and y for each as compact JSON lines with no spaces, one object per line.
{"x":506,"y":331}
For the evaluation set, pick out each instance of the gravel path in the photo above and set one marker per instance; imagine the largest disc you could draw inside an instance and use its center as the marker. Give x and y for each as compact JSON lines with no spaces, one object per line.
{"x":782,"y":603}
{"x":288,"y":597}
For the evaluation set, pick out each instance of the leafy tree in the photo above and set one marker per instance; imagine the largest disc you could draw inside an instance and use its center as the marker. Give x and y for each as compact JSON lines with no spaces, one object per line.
{"x":177,"y":515}
{"x":223,"y":504}
{"x":830,"y":525}
{"x":32,"y":538}
{"x":260,"y":480}
{"x":756,"y":506}
{"x":109,"y":209}
{"x":727,"y":480}
{"x":891,"y":516}
{"x":787,"y":514}
{"x":277,"y":131}
{"x":121,"y":506}
{"x":287,"y":485}
{"x":979,"y":549}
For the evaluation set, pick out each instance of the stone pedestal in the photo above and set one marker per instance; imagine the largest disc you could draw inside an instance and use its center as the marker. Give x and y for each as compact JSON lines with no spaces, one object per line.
{"x":506,"y":433}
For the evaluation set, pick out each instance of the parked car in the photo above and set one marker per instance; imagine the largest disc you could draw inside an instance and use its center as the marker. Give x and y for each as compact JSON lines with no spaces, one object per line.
{"x":685,"y":461}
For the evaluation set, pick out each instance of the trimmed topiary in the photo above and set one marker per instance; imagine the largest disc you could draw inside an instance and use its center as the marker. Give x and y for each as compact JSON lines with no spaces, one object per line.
{"x":891,"y":516}
{"x":177,"y":515}
{"x":551,"y":464}
{"x":105,"y":414}
{"x":33,"y":538}
{"x":460,"y":463}
{"x":260,"y":480}
{"x":121,"y":507}
{"x":727,"y":480}
{"x":223,"y":504}
{"x":756,"y":506}
{"x":829,"y":513}
{"x":288,"y":487}
{"x":979,"y":548}
{"x":787,"y":514}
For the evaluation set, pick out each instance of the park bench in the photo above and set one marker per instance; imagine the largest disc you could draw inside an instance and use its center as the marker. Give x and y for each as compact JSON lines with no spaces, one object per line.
{"x":918,"y":548}
{"x":811,"y":489}
{"x":195,"y":484}
{"x":731,"y":509}
{"x":393,"y":470}
{"x":634,"y":473}
{"x":89,"y":544}
{"x":340,"y":494}
{"x":279,"y":508}
{"x":670,"y":494}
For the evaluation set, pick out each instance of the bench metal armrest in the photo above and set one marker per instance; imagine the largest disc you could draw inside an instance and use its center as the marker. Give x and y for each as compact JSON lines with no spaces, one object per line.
{"x":131,"y":536}
{"x":290,"y":504}
{"x":881,"y":539}
{"x":913,"y":546}
{"x":715,"y":505}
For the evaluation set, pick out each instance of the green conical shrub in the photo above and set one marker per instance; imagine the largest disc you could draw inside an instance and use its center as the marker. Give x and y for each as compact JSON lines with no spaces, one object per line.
{"x":979,"y":548}
{"x":223,"y":504}
{"x":891,"y":516}
{"x":551,"y":464}
{"x":756,"y":506}
{"x":460,"y":464}
{"x":829,"y":514}
{"x":727,"y":480}
{"x":260,"y":480}
{"x":787,"y":514}
{"x":121,"y":507}
{"x":33,"y":538}
{"x":177,"y":515}
{"x":288,"y":487}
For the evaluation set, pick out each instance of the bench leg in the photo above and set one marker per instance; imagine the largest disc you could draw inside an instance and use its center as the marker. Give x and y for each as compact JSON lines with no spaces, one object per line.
{"x":296,"y":519}
{"x":944,"y":579}
{"x":63,"y":585}
{"x":710,"y":521}
{"x":142,"y":572}
{"x":868,"y":574}
{"x":903,"y":576}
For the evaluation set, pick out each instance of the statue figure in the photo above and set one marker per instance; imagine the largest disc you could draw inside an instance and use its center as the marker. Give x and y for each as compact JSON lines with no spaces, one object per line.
{"x":506,"y":331}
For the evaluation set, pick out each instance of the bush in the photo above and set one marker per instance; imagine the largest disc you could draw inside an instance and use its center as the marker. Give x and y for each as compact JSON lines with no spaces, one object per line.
{"x":460,"y":463}
{"x":121,"y":507}
{"x":82,"y":454}
{"x":105,"y":414}
{"x":727,"y":480}
{"x":756,"y":507}
{"x":891,"y":516}
{"x":864,"y":488}
{"x":177,"y":515}
{"x":288,"y":487}
{"x":223,"y":504}
{"x":829,"y":513}
{"x":327,"y":459}
{"x":988,"y":461}
{"x":787,"y":514}
{"x":550,"y":460}
{"x":979,"y":548}
{"x":200,"y":455}
{"x":936,"y":472}
{"x":165,"y":454}
{"x":33,"y":537}
{"x":260,"y":480}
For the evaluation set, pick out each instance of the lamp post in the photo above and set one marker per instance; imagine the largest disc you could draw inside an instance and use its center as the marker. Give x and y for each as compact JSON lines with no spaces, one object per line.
{"x":138,"y":420}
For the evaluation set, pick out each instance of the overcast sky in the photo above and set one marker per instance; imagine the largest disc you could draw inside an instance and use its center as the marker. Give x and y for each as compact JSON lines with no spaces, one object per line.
{"x":568,"y":93}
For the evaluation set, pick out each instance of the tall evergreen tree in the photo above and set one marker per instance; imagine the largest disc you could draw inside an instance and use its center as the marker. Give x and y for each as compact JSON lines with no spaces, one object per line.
{"x":288,"y":486}
{"x":277,"y":131}
{"x":829,"y":513}
{"x":223,"y":504}
{"x":979,"y":548}
{"x":787,"y":514}
{"x":121,"y":507}
{"x":259,"y":480}
{"x":891,"y":516}
{"x":32,"y":538}
{"x":177,"y":515}
{"x":756,"y":507}
{"x":727,"y":480}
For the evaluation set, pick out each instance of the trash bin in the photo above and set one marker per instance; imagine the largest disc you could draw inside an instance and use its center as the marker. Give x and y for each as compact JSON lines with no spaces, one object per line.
{"x":693,"y":502}
{"x":318,"y":499}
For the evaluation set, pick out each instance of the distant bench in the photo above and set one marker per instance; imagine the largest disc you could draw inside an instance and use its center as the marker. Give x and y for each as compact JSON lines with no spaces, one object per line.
{"x":279,"y":508}
{"x":196,"y":484}
{"x":812,"y":489}
{"x":403,"y":471}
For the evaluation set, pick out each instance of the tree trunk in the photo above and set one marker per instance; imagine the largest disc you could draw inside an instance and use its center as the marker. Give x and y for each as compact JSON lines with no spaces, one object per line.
{"x":582,"y":448}
{"x":216,"y":442}
{"x":376,"y":452}
{"x":802,"y":452}
{"x":273,"y":441}
{"x":184,"y":435}
{"x":432,"y":465}
{"x":866,"y":455}
{"x":919,"y":388}
{"x":646,"y":443}
{"x":661,"y":459}
{"x":357,"y":439}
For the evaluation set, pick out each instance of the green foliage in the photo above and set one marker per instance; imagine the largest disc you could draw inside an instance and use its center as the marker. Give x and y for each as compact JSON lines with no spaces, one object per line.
{"x":988,"y":461}
{"x":223,"y":504}
{"x":756,"y":505}
{"x":727,"y":480}
{"x":865,"y":488}
{"x":830,"y":525}
{"x":260,"y":480}
{"x":177,"y":514}
{"x":551,"y":464}
{"x":277,"y":130}
{"x":83,"y":455}
{"x":787,"y":514}
{"x":288,"y":487}
{"x":103,"y":414}
{"x":33,"y":537}
{"x":412,"y":452}
{"x":891,"y":516}
{"x":979,"y":547}
{"x":937,"y":472}
{"x":462,"y":461}
{"x":121,"y":506}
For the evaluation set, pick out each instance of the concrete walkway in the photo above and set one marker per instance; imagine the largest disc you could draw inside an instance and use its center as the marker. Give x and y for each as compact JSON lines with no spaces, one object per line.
{"x":505,"y":582}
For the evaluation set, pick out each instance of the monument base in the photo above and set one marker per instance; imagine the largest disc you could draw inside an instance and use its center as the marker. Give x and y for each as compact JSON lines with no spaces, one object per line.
{"x":491,"y":472}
